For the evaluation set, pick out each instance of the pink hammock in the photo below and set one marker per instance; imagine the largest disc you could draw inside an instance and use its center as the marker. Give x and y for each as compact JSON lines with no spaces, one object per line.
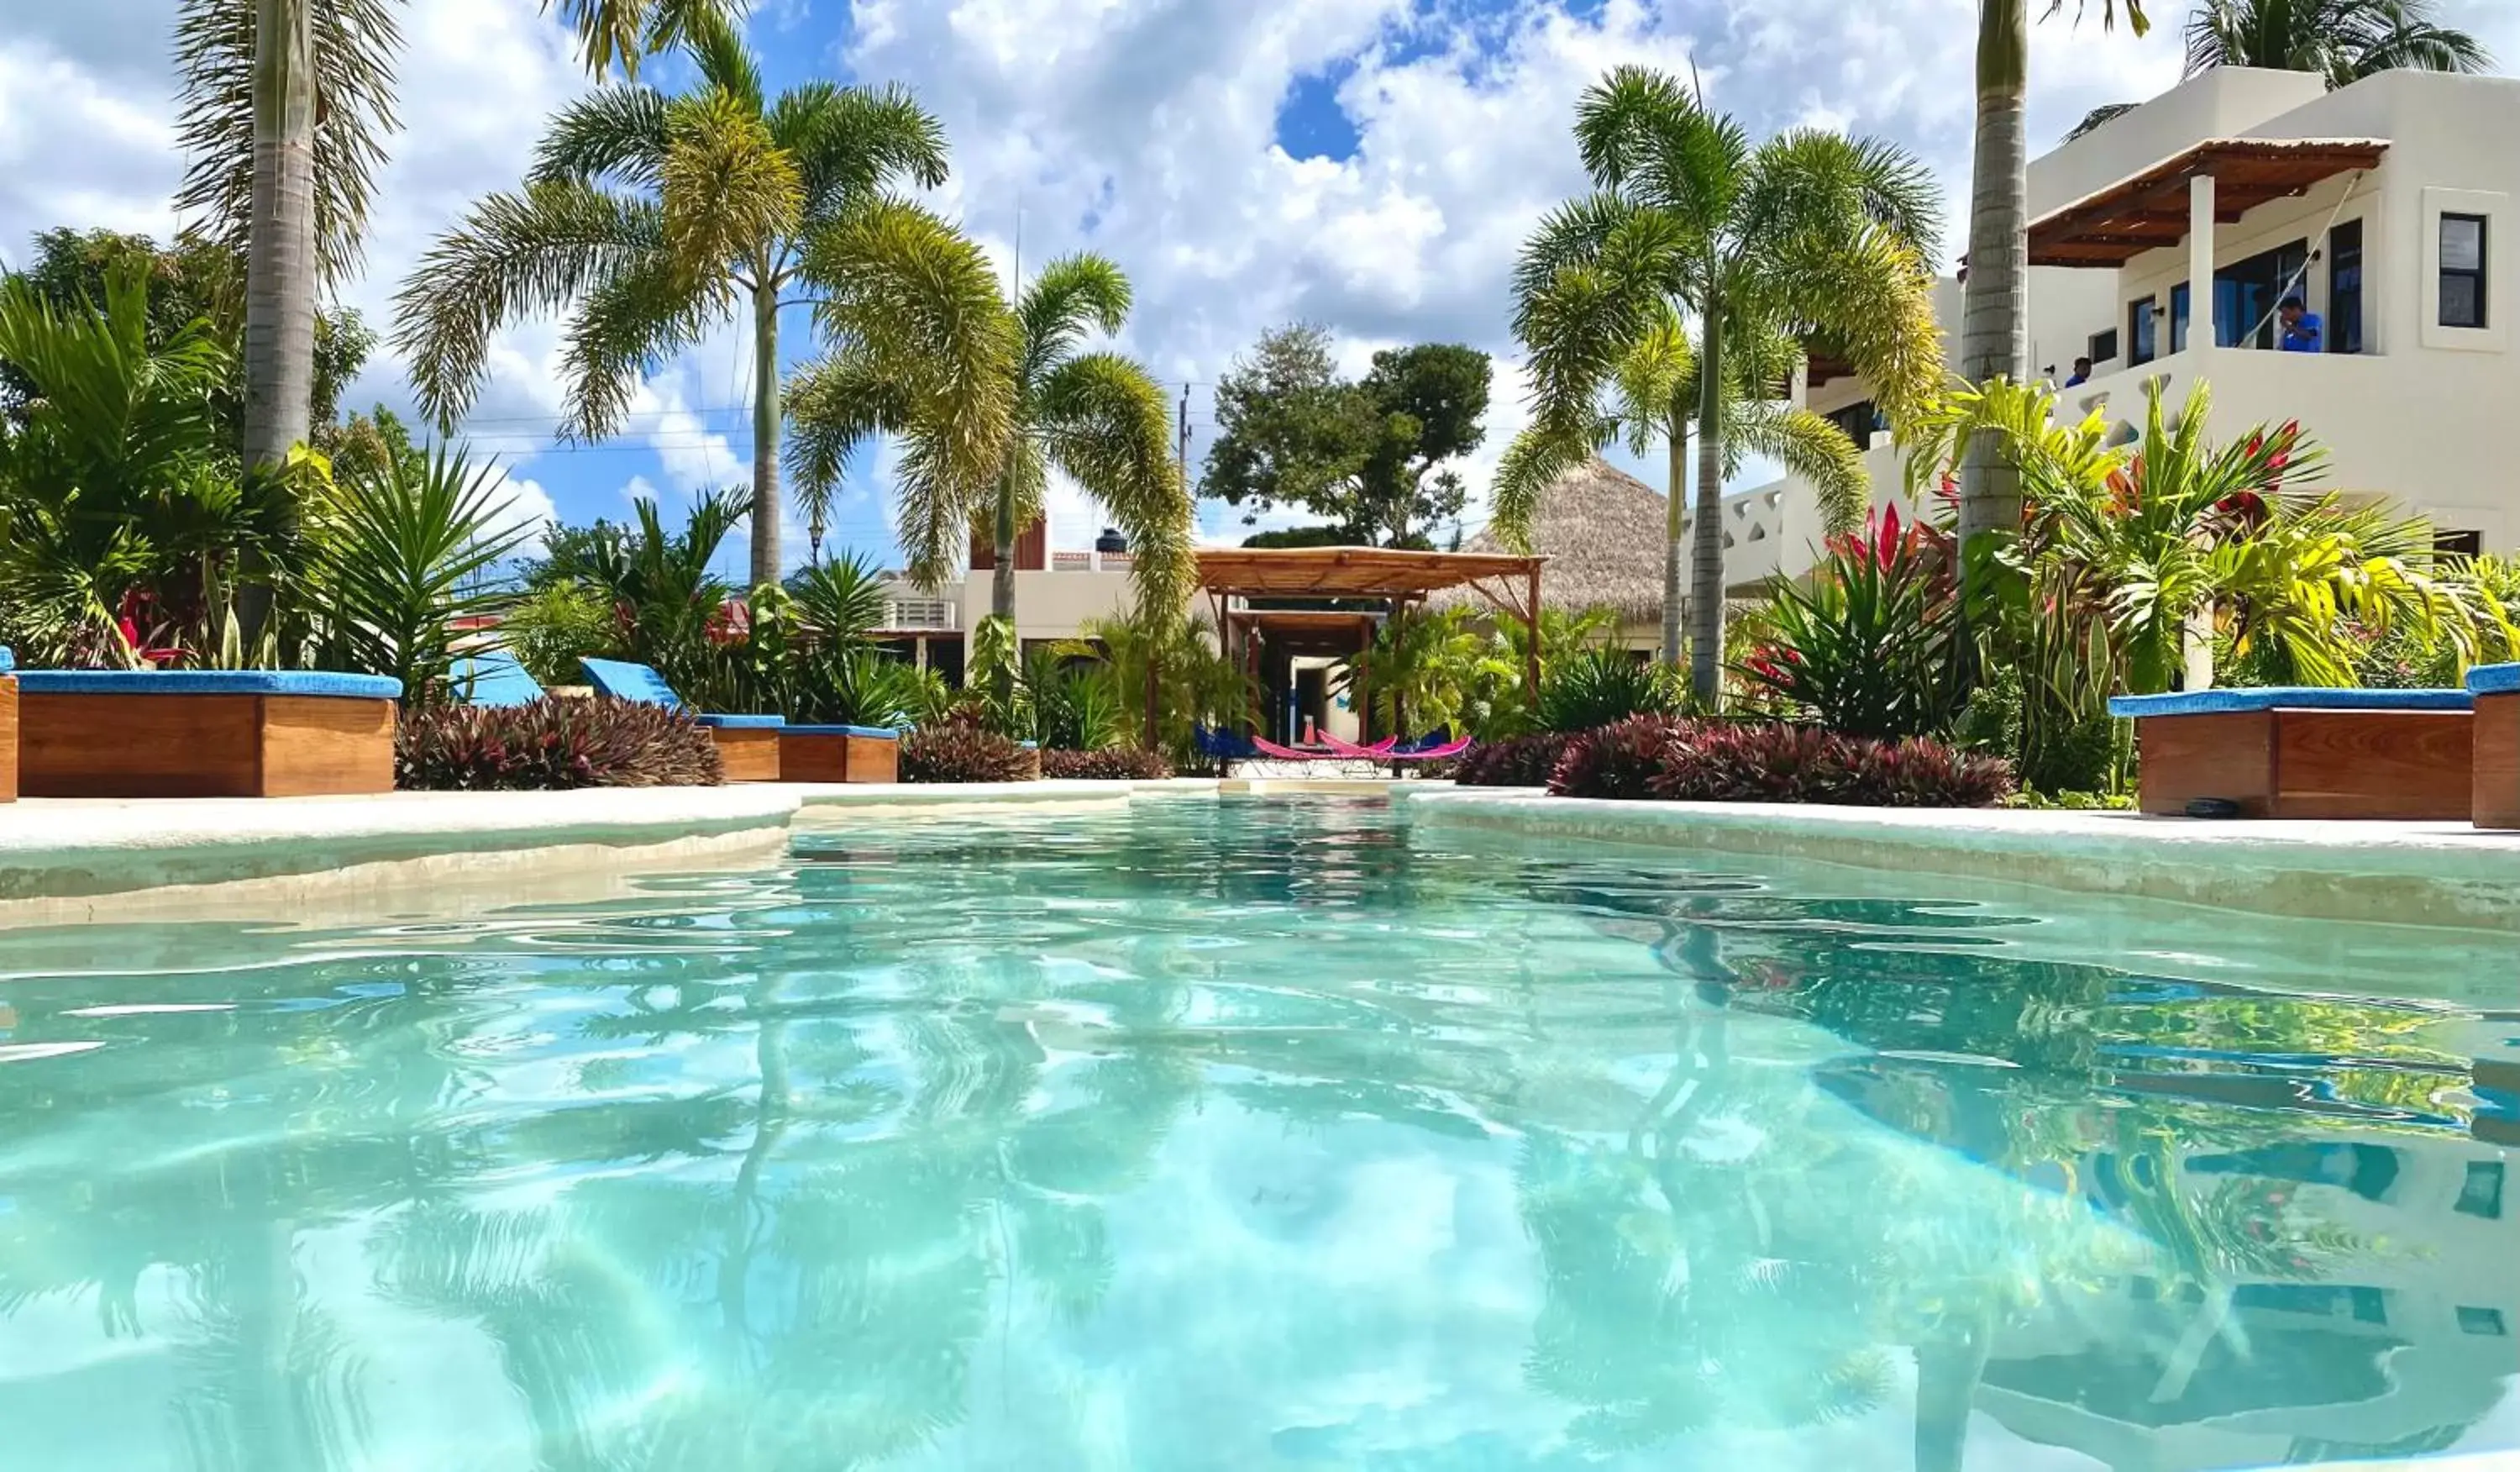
{"x":1383,"y":749}
{"x":1276,"y":753}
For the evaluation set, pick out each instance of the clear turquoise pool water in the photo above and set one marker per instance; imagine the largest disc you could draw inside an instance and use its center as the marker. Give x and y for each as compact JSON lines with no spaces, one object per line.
{"x":1257,"y":1136}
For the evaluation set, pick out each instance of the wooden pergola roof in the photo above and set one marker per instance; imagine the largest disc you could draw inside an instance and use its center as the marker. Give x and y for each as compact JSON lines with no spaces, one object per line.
{"x":1351,"y":572}
{"x":2149,"y":211}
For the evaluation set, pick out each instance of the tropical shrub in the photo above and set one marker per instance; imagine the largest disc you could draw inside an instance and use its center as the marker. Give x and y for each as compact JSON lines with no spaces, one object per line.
{"x":400,"y":556}
{"x":964,"y":748}
{"x":1193,"y":683}
{"x":1111,"y":763}
{"x":1514,"y":761}
{"x":1595,"y":687}
{"x":1715,"y":761}
{"x":1864,"y":644}
{"x":550,"y":743}
{"x":1425,"y":670}
{"x":552,"y":628}
{"x":1619,"y":760}
{"x":1074,"y":706}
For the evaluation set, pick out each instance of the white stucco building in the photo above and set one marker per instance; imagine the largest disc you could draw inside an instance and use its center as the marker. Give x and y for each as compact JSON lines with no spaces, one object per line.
{"x":2387,"y":206}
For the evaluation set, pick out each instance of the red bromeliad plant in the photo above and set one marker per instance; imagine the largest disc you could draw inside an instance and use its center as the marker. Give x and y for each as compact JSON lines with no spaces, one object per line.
{"x":1864,"y":645}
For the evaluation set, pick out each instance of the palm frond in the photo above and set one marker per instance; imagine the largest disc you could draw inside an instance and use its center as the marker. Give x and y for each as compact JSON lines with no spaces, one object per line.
{"x":626,"y":328}
{"x":355,"y":45}
{"x":1536,"y":459}
{"x":622,"y":32}
{"x":851,"y":142}
{"x":1809,"y":446}
{"x":1871,"y":296}
{"x":835,"y":404}
{"x":1073,"y":296}
{"x":727,"y":65}
{"x":618,"y":135}
{"x":514,"y":255}
{"x":1104,"y":421}
{"x":1812,"y":181}
{"x":919,"y":298}
{"x":731,"y":192}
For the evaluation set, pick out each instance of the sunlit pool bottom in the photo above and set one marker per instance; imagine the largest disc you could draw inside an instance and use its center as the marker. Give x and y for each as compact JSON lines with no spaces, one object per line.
{"x":1257,"y":1135}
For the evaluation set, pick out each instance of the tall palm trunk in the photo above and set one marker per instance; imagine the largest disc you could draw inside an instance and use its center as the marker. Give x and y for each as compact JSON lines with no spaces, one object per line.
{"x":1002,"y":578}
{"x":1995,"y":315}
{"x":1675,"y":526}
{"x":280,"y":249}
{"x":765,"y":430}
{"x":1706,"y":570}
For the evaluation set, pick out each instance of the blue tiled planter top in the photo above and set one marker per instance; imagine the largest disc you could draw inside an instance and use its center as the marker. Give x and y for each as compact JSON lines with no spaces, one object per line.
{"x":871,"y":733}
{"x":2483,"y":680}
{"x":315,"y":682}
{"x":742,"y":723}
{"x":7,"y":661}
{"x":2302,"y":698}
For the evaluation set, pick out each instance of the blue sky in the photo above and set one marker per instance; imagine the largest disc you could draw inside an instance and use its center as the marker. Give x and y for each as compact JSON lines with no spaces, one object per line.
{"x":1368,"y":164}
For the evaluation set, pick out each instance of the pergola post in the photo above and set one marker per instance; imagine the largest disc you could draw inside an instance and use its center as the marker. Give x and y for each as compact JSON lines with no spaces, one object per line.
{"x":2202,"y":335}
{"x":1530,"y":627}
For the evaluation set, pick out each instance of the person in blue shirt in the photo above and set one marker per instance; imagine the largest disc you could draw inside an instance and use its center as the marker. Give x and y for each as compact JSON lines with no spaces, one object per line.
{"x":2082,"y":373}
{"x":2299,"y":331}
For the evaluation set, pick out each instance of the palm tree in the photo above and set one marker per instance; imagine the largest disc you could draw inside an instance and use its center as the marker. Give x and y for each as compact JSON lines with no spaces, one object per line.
{"x":1809,"y":235}
{"x":1995,"y":311}
{"x":287,"y":104}
{"x":648,"y":218}
{"x":2342,"y":41}
{"x":1654,"y":395}
{"x":1098,"y":417}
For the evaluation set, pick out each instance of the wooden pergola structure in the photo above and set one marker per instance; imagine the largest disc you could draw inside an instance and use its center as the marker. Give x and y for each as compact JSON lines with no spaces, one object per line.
{"x":2165,"y":203}
{"x":1397,"y":578}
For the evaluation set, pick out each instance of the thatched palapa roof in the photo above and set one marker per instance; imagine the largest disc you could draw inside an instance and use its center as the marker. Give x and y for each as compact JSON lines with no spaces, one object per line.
{"x":1602,"y":532}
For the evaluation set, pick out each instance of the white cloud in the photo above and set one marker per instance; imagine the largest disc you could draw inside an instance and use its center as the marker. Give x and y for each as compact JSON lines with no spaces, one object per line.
{"x":526,"y":507}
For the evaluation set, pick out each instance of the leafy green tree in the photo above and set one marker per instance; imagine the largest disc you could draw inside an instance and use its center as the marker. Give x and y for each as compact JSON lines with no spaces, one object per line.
{"x":1366,"y":456}
{"x":1809,"y":234}
{"x":647,"y":219}
{"x":2341,"y":41}
{"x":193,"y":280}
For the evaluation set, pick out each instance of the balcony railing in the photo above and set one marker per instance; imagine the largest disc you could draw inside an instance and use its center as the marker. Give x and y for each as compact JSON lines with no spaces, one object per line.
{"x":921,"y":612}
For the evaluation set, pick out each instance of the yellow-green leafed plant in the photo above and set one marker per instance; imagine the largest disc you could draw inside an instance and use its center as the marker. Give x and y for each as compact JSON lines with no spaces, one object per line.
{"x":2142,"y":546}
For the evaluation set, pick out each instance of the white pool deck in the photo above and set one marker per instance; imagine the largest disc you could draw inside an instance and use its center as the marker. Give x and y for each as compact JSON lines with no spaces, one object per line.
{"x":64,"y":860}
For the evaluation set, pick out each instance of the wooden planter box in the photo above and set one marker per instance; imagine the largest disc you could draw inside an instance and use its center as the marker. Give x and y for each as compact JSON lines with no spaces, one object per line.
{"x":2402,"y":755}
{"x":205,"y":734}
{"x":747,"y":745}
{"x":2495,"y":800}
{"x":840,"y":753}
{"x":8,"y":739}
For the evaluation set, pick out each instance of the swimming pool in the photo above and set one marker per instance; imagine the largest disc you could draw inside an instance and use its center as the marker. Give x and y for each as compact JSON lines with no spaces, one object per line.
{"x":1257,"y":1134}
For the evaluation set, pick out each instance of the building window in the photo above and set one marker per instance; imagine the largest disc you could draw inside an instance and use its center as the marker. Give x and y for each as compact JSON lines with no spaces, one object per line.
{"x":2459,"y":544}
{"x":2143,"y":346}
{"x":2345,"y":288}
{"x":2103,"y":346}
{"x":2487,"y":1322}
{"x":2180,"y":298}
{"x":2482,"y":1195}
{"x":2462,"y":270}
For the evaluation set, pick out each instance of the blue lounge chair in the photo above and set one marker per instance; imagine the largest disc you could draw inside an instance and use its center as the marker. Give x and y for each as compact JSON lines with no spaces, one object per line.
{"x":749,"y":745}
{"x":496,"y":679}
